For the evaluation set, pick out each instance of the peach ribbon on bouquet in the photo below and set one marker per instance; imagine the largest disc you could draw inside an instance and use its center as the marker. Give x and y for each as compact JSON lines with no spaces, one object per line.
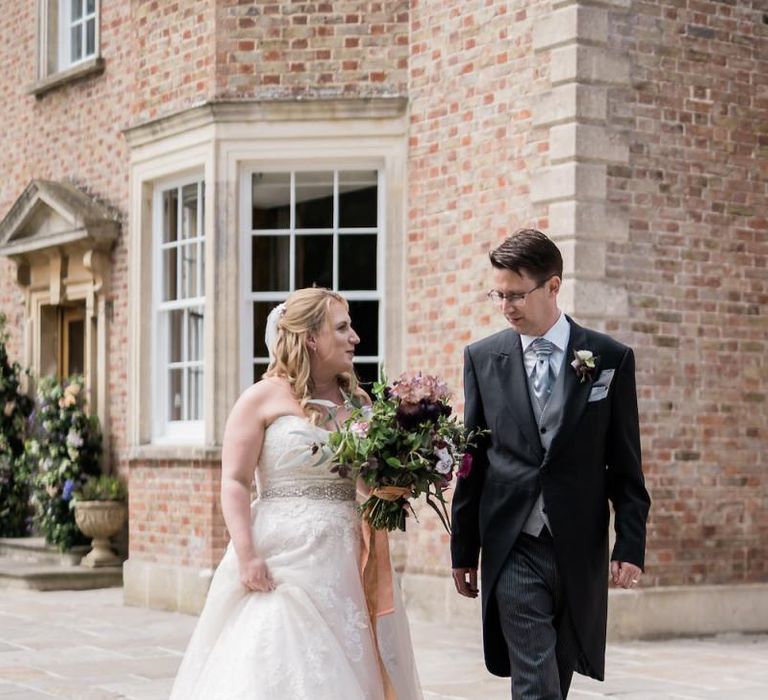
{"x":376,"y":573}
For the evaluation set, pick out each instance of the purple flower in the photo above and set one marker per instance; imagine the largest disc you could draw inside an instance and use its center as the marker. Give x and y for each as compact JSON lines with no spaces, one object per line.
{"x":466,"y":466}
{"x":69,"y":486}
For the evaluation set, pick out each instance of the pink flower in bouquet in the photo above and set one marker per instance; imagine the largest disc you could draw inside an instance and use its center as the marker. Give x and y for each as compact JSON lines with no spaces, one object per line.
{"x":360,"y":428}
{"x":466,"y":466}
{"x":415,"y":387}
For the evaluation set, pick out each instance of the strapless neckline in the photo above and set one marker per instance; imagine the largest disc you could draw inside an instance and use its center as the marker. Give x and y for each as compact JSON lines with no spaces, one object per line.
{"x":303,"y":419}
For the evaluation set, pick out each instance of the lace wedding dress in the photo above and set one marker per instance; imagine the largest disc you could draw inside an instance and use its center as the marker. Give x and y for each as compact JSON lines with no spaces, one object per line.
{"x":311,"y":636}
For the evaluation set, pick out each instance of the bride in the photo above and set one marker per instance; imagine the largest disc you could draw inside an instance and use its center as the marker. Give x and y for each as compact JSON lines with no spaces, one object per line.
{"x":286,"y":615}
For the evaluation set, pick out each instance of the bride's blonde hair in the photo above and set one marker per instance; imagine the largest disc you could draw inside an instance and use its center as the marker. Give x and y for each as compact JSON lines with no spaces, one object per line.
{"x":306,"y":311}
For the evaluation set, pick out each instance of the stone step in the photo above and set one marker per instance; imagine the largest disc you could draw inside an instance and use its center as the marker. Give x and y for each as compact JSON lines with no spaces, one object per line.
{"x":52,"y":577}
{"x":34,"y":550}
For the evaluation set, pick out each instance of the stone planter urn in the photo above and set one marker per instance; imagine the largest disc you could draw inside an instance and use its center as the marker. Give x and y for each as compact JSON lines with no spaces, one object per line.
{"x":100,"y":520}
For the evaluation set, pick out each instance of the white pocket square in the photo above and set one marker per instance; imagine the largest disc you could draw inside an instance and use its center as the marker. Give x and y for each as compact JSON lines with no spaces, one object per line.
{"x":601,"y":385}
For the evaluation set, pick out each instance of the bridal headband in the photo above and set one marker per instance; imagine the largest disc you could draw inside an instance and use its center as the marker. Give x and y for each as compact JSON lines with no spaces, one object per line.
{"x":270,"y":333}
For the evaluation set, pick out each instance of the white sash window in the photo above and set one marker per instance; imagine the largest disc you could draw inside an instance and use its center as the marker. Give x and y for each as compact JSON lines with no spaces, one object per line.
{"x":179,"y":294}
{"x":78,"y":27}
{"x":307,"y":227}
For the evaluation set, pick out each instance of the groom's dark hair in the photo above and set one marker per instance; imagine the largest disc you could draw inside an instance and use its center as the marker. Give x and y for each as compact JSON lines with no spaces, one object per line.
{"x":531,"y":251}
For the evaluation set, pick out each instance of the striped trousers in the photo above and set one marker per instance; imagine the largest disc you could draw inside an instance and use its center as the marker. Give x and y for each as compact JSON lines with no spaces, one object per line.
{"x":542,"y":645}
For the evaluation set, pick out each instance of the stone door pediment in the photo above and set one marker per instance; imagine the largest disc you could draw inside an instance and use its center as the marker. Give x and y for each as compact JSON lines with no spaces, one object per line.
{"x":52,"y":214}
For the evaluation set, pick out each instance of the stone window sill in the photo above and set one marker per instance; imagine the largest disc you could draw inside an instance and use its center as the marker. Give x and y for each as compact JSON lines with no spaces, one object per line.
{"x":93,"y":66}
{"x":175,"y":453}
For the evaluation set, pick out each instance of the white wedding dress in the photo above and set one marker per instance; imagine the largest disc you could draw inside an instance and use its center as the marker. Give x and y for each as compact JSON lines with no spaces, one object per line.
{"x":310,"y":637}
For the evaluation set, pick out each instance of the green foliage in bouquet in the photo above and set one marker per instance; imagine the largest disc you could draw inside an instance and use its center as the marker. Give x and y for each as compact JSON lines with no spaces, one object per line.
{"x":15,"y":408}
{"x":65,"y":450}
{"x":101,"y":488}
{"x":406,"y":445}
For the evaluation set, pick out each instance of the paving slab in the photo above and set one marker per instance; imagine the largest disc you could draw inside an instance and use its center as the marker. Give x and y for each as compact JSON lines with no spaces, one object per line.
{"x":87,"y":645}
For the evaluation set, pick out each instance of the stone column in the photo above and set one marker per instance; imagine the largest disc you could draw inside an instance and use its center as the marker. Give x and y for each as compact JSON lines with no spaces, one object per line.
{"x":582,"y":147}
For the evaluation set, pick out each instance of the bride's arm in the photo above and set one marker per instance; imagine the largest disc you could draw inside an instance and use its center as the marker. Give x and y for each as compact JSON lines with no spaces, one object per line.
{"x":243,"y":439}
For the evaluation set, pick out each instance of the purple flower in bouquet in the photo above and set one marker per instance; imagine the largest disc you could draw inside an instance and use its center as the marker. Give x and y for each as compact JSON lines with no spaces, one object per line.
{"x":422,"y":399}
{"x":466,"y":466}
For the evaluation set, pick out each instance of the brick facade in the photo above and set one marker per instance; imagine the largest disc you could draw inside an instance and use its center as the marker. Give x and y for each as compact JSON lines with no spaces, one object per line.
{"x":296,"y":50}
{"x":696,"y":270}
{"x":473,"y":149}
{"x":634,"y":132}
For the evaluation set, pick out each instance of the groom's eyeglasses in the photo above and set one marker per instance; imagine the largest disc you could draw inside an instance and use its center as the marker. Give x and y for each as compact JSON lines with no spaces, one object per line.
{"x":499,"y":298}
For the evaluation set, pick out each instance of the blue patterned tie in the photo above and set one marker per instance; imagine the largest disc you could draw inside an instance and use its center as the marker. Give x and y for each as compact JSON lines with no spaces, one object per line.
{"x":542,"y":372}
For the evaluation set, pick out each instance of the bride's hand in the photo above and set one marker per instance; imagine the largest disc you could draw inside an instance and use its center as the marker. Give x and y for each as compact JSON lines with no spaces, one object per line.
{"x":255,"y":575}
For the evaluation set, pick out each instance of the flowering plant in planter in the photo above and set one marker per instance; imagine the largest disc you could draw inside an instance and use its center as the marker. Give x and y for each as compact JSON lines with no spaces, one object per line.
{"x":64,"y":451}
{"x":15,"y":407}
{"x":99,"y":514}
{"x":101,"y":488}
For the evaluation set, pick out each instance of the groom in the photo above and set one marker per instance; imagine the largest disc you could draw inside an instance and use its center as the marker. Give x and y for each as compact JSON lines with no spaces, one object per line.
{"x":564,"y":440}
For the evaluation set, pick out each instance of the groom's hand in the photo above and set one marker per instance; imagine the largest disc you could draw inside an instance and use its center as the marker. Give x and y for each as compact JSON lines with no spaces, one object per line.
{"x":625,"y":574}
{"x":466,"y":581}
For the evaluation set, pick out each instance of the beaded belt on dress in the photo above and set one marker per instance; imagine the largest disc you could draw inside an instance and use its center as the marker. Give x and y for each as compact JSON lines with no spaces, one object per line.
{"x":325,"y":491}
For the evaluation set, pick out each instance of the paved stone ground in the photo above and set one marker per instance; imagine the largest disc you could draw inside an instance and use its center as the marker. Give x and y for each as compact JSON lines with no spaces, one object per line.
{"x":86,"y":645}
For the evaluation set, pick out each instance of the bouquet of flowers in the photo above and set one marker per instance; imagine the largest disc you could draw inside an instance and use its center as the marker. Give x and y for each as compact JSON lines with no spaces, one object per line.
{"x":407,"y":444}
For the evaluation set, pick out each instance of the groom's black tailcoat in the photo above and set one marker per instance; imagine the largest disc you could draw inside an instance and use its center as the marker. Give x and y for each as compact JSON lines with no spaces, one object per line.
{"x":594,"y":457}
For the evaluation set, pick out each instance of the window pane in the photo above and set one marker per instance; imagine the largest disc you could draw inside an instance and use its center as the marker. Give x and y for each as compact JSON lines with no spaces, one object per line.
{"x":195,"y":393}
{"x":90,"y":6}
{"x":314,"y":261}
{"x":271,"y":200}
{"x":170,"y":262}
{"x":175,"y":377}
{"x":175,"y":330}
{"x":195,"y":335}
{"x":358,"y":199}
{"x":314,"y":200}
{"x":90,"y":37}
{"x":201,"y":258}
{"x":365,"y":321}
{"x":258,"y":370}
{"x":270,"y":263}
{"x":188,"y":270}
{"x":76,"y":347}
{"x":77,"y":9}
{"x":189,"y":211}
{"x":76,"y":47}
{"x":357,"y":261}
{"x":170,"y":215}
{"x":261,"y":310}
{"x":367,"y":374}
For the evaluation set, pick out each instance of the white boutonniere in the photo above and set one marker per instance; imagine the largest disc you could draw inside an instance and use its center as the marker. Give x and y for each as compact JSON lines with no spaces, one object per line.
{"x":584,"y":364}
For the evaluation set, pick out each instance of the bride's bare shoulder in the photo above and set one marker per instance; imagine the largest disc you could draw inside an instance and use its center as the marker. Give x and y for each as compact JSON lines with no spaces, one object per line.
{"x":266,"y":399}
{"x":269,"y":388}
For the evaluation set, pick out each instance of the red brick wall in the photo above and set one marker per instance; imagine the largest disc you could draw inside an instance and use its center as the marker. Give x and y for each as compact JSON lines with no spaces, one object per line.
{"x":334,"y":48}
{"x":174,"y":60}
{"x":72,"y":132}
{"x":473,"y":84}
{"x":695,"y":265}
{"x":175,"y":516}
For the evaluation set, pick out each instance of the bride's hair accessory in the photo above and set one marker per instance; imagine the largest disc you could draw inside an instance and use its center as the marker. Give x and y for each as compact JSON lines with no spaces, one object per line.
{"x":270,"y":333}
